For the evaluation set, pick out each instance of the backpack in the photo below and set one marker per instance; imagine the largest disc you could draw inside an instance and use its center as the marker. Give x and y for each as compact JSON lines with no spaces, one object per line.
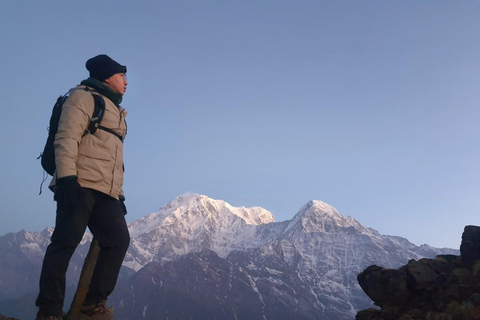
{"x":48,"y":154}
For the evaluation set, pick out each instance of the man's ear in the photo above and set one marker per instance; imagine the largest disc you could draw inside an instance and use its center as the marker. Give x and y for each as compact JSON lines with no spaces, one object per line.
{"x":106,"y":80}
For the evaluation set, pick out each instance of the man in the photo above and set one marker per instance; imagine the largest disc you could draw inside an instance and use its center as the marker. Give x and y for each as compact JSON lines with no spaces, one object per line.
{"x":88,"y":190}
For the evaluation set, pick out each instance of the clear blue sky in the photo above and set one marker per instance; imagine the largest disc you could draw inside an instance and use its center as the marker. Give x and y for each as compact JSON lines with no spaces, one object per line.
{"x":370,"y":106}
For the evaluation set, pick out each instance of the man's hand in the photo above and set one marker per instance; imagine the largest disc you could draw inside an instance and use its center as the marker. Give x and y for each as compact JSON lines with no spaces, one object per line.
{"x":67,"y":189}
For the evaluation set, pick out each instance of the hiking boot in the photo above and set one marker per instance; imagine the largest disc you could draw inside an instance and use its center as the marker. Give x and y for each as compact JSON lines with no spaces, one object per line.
{"x":48,"y":318}
{"x":96,"y":312}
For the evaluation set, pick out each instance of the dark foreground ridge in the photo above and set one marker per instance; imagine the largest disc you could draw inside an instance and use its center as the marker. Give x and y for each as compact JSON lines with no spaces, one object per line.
{"x":444,"y":288}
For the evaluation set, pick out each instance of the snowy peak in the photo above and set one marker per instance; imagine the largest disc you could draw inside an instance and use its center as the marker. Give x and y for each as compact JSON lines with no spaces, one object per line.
{"x":317,"y":216}
{"x":251,"y":216}
{"x":321,"y":209}
{"x":192,"y":223}
{"x":194,"y":210}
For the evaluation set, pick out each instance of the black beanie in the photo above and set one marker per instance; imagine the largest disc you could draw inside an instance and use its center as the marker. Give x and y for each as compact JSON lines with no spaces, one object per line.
{"x":103,"y":67}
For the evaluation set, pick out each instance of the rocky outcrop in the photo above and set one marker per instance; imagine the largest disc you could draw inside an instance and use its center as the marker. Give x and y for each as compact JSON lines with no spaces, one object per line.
{"x":444,"y":288}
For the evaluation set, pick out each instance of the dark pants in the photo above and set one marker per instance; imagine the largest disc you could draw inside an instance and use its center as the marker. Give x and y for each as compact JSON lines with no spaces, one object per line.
{"x":104,"y":217}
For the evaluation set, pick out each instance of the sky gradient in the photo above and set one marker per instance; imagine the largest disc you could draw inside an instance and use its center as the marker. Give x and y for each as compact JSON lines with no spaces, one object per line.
{"x":369,"y":106}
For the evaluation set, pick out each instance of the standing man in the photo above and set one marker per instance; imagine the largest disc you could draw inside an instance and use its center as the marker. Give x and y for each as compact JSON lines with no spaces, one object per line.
{"x":88,"y":190}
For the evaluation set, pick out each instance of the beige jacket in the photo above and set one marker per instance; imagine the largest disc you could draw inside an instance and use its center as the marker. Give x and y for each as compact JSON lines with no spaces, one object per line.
{"x":97,"y":159}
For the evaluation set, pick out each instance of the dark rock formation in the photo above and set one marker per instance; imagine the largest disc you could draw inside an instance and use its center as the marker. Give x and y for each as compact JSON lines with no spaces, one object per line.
{"x":470,"y":247}
{"x":444,"y":288}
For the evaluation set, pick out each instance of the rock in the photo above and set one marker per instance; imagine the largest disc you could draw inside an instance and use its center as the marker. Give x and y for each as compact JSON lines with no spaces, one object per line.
{"x":386,"y":287}
{"x":419,"y":275}
{"x":373,"y":314}
{"x":476,"y":271}
{"x":470,"y":247}
{"x":443,"y":263}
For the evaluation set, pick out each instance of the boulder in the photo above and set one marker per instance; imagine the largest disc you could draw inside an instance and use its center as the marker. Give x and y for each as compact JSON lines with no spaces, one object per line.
{"x":386,"y":287}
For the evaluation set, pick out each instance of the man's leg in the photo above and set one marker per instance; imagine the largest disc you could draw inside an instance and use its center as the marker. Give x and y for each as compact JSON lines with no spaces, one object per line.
{"x":107,"y":224}
{"x":70,"y":224}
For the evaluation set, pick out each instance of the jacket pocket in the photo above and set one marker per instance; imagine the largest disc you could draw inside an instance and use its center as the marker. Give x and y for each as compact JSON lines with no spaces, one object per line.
{"x":94,"y":165}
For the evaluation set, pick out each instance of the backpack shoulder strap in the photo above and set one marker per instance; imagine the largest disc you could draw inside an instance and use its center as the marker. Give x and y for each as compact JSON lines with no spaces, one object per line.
{"x":119,"y":136}
{"x":98,"y":112}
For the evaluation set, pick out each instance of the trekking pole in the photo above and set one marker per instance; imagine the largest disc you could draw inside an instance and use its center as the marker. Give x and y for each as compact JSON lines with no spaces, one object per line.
{"x":84,"y":281}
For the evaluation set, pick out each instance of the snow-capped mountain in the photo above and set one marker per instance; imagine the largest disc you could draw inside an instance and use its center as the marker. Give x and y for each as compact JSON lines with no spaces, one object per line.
{"x":192,"y":223}
{"x":199,"y":258}
{"x":313,"y":259}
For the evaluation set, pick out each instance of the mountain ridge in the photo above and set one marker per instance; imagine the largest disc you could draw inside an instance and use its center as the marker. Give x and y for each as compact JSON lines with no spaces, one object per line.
{"x":304,"y":268}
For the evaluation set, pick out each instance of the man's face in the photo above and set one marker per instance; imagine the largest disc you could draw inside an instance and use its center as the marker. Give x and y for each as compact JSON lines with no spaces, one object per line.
{"x":118,"y":82}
